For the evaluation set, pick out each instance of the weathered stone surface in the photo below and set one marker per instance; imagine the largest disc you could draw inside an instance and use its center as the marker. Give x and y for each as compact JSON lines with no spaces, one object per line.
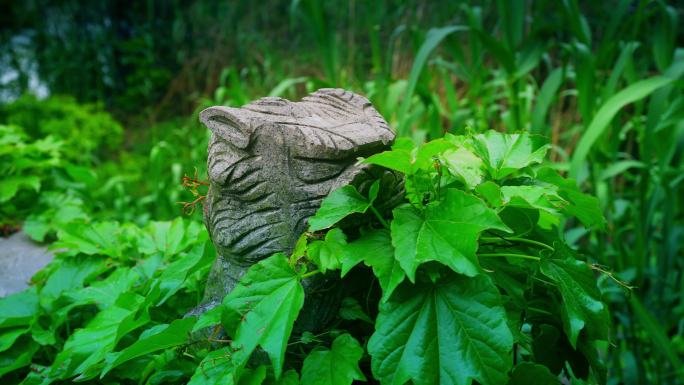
{"x":270,"y":165}
{"x":20,"y":259}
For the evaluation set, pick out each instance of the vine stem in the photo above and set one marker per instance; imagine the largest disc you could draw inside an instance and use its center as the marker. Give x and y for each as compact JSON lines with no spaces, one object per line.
{"x":380,"y":218}
{"x":521,"y":240}
{"x":309,"y":274}
{"x":521,"y":256}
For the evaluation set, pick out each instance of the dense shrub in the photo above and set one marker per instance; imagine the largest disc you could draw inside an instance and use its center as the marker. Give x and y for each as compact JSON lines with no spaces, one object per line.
{"x":475,"y":283}
{"x":89,"y":133}
{"x":25,"y":165}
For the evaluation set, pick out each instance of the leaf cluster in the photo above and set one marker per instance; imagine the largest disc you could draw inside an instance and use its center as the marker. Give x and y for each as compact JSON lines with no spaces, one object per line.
{"x":475,"y":281}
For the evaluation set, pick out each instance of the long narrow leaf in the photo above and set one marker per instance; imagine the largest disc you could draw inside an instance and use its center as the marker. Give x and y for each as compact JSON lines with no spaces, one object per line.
{"x":657,"y":336}
{"x":434,"y":37}
{"x":604,"y":116}
{"x":546,"y":95}
{"x":618,"y":68}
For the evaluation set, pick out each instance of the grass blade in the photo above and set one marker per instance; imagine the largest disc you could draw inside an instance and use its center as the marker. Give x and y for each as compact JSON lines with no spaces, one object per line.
{"x":285,"y":85}
{"x":608,"y":110}
{"x":546,"y":95}
{"x":619,"y":67}
{"x":512,"y":21}
{"x":434,"y":37}
{"x":660,"y":340}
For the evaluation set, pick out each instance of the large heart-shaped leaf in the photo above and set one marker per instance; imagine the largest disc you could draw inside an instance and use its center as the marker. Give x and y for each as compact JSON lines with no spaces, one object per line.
{"x":446,"y":232}
{"x":582,"y":307}
{"x":340,"y":203}
{"x":261,"y":310}
{"x":327,"y":254}
{"x":505,"y":154}
{"x":375,"y":250}
{"x":337,"y":366}
{"x":447,"y":333}
{"x":465,"y":166}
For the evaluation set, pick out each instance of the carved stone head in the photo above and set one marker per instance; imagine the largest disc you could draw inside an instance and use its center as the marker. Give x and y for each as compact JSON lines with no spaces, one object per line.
{"x":271,"y":163}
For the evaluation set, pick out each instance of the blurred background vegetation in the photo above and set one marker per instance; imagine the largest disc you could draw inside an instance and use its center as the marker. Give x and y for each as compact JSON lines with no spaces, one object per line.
{"x":99,"y":102}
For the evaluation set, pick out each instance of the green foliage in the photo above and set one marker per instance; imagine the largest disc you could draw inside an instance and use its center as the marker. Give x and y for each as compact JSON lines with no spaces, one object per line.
{"x":337,"y":366}
{"x":482,"y":281}
{"x":451,"y":331}
{"x":87,"y":131}
{"x":262,"y":309}
{"x":92,"y":310}
{"x":24,"y":165}
{"x":342,"y":202}
{"x":48,"y":178}
{"x":600,"y":82}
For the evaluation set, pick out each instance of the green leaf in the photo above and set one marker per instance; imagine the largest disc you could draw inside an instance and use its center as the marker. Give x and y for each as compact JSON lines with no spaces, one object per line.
{"x":350,"y":309}
{"x":103,"y":238}
{"x":584,"y":207}
{"x":174,"y":276}
{"x":88,"y":346}
{"x":300,"y":249}
{"x":209,"y":318}
{"x":104,"y":293}
{"x":528,"y":58}
{"x":291,"y":377}
{"x":546,"y":96}
{"x":521,"y":220}
{"x":605,"y":114}
{"x":164,"y":337}
{"x":375,"y":250}
{"x":215,"y":369}
{"x":504,"y":154}
{"x":447,"y":232}
{"x":18,"y":356}
{"x":465,"y":166}
{"x":407,"y":159}
{"x":432,"y":40}
{"x":450,"y":332}
{"x":527,"y":373}
{"x":428,"y":153}
{"x":19,"y":309}
{"x":340,"y":203}
{"x":285,"y":85}
{"x":373,"y":191}
{"x":396,"y":159}
{"x":657,"y":334}
{"x":582,"y":307}
{"x":491,"y":192}
{"x":10,"y":185}
{"x":71,"y":274}
{"x":552,"y":349}
{"x":337,"y":366}
{"x":9,"y":336}
{"x":261,"y":310}
{"x":169,"y":238}
{"x":535,"y":197}
{"x":55,"y":210}
{"x":328,"y":253}
{"x":253,"y":376}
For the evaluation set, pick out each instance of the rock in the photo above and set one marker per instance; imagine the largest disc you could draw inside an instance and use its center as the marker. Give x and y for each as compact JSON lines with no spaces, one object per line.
{"x":20,"y":259}
{"x":270,"y":165}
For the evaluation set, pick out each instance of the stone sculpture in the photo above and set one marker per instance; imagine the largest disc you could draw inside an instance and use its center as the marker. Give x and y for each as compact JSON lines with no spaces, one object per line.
{"x":271,"y":163}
